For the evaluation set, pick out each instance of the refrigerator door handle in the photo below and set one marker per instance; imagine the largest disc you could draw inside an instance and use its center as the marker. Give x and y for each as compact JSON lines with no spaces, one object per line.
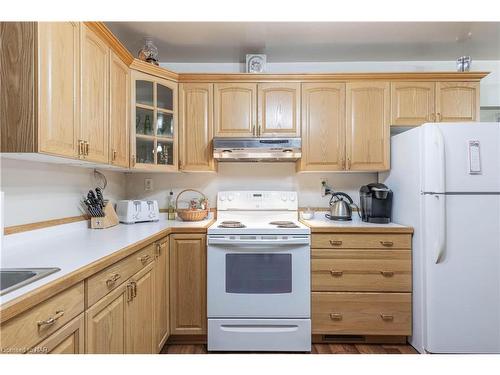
{"x":441,"y":230}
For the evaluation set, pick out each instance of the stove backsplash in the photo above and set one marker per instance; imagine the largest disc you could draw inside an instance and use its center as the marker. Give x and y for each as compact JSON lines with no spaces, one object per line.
{"x":249,"y":176}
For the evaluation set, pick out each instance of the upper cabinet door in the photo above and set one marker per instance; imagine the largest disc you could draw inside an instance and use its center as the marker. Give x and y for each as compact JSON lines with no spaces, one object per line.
{"x":367,"y":126}
{"x":457,"y":101}
{"x":59,"y":87}
{"x":412,"y":103}
{"x":119,"y":101}
{"x":323,"y":127}
{"x":279,"y":110}
{"x":95,"y":105}
{"x":196,"y":126}
{"x":235,"y":109}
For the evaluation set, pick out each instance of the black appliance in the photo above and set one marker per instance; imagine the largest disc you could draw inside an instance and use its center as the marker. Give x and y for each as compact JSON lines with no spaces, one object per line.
{"x":376,"y":203}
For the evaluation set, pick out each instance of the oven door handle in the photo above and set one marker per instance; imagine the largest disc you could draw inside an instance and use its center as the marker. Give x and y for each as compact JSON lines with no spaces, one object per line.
{"x":258,"y":243}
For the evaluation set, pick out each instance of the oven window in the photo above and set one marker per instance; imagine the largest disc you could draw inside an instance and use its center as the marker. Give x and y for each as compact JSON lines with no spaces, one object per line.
{"x":259,"y":273}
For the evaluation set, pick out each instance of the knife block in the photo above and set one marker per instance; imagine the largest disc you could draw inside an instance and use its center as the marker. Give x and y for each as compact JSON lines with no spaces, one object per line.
{"x":110,"y":218}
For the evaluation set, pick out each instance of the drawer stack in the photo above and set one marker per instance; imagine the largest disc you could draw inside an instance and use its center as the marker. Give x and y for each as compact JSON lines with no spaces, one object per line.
{"x":361,"y":284}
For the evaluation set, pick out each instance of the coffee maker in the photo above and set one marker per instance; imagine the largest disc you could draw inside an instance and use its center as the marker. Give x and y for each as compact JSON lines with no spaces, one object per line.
{"x":376,"y":203}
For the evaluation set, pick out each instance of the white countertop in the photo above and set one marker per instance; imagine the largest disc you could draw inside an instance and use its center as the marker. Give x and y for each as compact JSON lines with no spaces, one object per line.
{"x":321,"y":221}
{"x":73,"y":246}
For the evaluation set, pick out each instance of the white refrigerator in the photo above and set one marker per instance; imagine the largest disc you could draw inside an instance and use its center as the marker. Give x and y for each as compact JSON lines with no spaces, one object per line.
{"x":446,"y":183}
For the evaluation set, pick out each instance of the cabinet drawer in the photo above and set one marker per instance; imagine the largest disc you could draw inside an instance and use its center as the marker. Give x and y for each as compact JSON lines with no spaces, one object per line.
{"x":361,"y":270}
{"x":113,"y":276}
{"x":26,"y":330}
{"x":361,"y":313}
{"x":361,"y":241}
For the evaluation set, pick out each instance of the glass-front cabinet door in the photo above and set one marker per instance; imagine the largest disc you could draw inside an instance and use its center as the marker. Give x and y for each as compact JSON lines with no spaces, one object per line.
{"x":154,"y":144}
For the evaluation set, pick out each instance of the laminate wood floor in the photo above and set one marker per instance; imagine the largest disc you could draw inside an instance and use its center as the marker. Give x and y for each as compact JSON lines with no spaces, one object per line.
{"x":316,"y":349}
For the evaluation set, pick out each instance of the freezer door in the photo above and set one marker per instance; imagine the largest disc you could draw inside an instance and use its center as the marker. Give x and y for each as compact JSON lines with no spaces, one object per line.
{"x":462,"y":273}
{"x":461,"y":157}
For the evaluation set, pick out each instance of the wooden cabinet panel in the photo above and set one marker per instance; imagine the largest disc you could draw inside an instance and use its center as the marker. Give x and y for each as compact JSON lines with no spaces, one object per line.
{"x":106,"y":323}
{"x":367,"y":126}
{"x":412,"y":103}
{"x":235,"y":108}
{"x":188,"y":307}
{"x":360,"y":241}
{"x":119,"y":110}
{"x":323,"y":127}
{"x":279,"y":109}
{"x":140,"y":314}
{"x":196,"y":126}
{"x":29,"y":328}
{"x":361,"y":270}
{"x":94,"y":101}
{"x":69,"y":339}
{"x":457,"y":101}
{"x":162,"y":294}
{"x":59,"y":88}
{"x":110,"y":278}
{"x":361,"y":313}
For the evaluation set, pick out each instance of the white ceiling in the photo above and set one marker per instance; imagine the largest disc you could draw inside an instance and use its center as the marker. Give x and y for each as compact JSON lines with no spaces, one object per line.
{"x":318,"y":42}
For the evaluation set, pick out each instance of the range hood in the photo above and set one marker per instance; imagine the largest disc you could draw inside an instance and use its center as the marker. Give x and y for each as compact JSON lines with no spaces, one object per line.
{"x":257,"y":149}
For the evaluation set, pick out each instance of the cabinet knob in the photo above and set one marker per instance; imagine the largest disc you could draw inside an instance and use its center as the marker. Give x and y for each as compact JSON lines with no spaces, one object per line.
{"x":387,"y":317}
{"x":335,"y":242}
{"x":387,"y":243}
{"x":336,"y":316}
{"x":438,"y":117}
{"x":113,"y":155}
{"x":336,"y":273}
{"x":112,"y":280}
{"x":50,"y":321}
{"x":145,"y":258}
{"x":387,"y":273}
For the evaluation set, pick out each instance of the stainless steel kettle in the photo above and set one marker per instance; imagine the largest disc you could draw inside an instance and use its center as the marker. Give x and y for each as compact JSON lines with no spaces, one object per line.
{"x":340,"y":209}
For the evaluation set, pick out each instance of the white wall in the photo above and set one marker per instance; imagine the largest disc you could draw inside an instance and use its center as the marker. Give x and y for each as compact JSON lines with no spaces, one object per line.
{"x":490,"y":86}
{"x":40,"y":191}
{"x":249,"y":176}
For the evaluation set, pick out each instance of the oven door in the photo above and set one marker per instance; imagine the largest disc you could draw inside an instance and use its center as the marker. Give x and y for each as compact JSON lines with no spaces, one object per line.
{"x":258,"y":276}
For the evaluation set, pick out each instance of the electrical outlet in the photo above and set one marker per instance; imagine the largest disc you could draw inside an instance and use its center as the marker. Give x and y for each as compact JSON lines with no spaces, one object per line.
{"x":325,"y":188}
{"x":148,"y":184}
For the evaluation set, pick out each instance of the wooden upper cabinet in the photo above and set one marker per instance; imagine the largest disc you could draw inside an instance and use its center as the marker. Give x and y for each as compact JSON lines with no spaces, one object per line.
{"x":235,"y":108}
{"x":279,"y":109}
{"x":59,"y":88}
{"x":457,"y":101}
{"x":188,"y":288}
{"x":323,"y":127}
{"x":412,"y":103}
{"x":196,"y":126}
{"x":94,"y":101}
{"x":367,"y":126}
{"x":119,"y":111}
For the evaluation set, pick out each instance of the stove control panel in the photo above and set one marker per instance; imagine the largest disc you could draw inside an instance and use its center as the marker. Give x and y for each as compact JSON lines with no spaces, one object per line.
{"x":257,"y":200}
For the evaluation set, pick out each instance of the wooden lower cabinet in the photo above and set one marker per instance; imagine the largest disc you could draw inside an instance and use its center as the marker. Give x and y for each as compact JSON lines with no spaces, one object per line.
{"x":361,"y":313}
{"x":162,"y":293}
{"x":67,"y":340}
{"x":122,"y":321}
{"x":188,"y":290}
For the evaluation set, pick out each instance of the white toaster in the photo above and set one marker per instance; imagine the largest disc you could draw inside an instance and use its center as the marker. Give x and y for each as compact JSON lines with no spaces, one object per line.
{"x":136,"y":211}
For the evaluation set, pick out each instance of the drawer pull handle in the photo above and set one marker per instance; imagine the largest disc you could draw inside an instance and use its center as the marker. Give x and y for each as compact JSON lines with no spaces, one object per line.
{"x":336,"y":316}
{"x":112,"y":280}
{"x":335,"y":242}
{"x":387,"y":243}
{"x":387,"y":317}
{"x":144,"y":259}
{"x":51,"y":320}
{"x":336,"y":273}
{"x":134,"y":289}
{"x":130,"y":295}
{"x":387,"y":273}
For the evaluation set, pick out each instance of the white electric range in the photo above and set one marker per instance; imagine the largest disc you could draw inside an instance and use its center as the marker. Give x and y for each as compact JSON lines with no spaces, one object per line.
{"x":258,"y":274}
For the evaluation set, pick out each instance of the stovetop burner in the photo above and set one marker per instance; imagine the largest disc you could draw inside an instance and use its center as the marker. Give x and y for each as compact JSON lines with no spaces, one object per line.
{"x":231,"y":224}
{"x":284,"y":224}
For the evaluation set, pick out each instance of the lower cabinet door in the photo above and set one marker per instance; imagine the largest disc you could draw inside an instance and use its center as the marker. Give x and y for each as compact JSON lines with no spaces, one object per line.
{"x":361,"y":313}
{"x":140,"y":314}
{"x":106,"y":322}
{"x":161,"y":294}
{"x":67,"y":340}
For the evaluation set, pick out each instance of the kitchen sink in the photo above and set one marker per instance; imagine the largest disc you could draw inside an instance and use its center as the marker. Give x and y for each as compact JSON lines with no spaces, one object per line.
{"x":14,"y":278}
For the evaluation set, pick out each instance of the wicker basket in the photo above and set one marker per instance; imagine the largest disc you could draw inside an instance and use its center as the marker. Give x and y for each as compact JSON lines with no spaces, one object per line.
{"x":189,"y":214}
